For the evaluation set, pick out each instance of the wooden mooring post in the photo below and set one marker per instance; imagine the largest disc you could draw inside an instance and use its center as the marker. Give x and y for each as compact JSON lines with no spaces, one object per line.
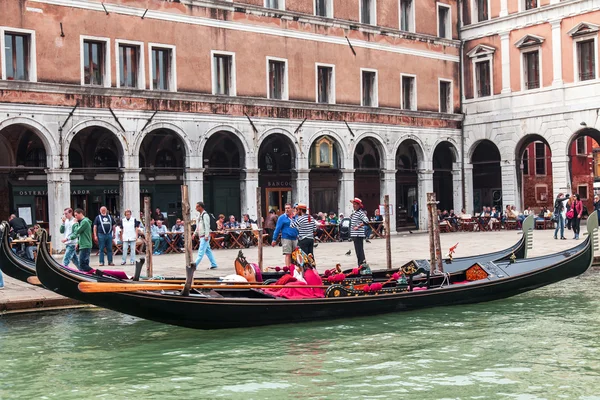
{"x":148,"y":234}
{"x":435,"y":249}
{"x":187,"y":224}
{"x":259,"y":222}
{"x":386,"y":226}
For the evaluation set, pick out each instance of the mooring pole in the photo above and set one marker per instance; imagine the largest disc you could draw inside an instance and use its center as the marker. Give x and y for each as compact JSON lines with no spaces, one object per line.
{"x":259,"y":222}
{"x":187,"y":224}
{"x":386,"y":226}
{"x":148,"y":229}
{"x":430,"y":230}
{"x":432,"y":202}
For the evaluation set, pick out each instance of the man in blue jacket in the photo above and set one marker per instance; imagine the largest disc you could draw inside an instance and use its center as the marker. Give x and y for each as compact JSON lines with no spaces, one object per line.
{"x":289,"y":235}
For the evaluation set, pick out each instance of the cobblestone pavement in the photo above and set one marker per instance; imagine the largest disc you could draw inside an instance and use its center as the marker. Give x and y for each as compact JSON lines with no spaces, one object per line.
{"x":405,"y":246}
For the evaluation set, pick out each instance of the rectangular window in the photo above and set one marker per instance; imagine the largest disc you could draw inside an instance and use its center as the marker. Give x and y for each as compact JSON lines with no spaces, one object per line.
{"x":531,"y":69}
{"x":367,"y":12}
{"x":483,"y":78}
{"x":223,"y":75}
{"x":529,"y":4}
{"x":161,"y":68}
{"x":526,"y":162}
{"x":93,"y":62}
{"x":369,"y":89}
{"x":408,"y":93}
{"x":16,"y":56}
{"x":128,"y":65}
{"x":445,"y":97}
{"x":277,"y":80}
{"x":324,"y":8}
{"x":482,"y":10}
{"x":444,"y":25}
{"x":586,"y":60}
{"x":325,"y":85}
{"x":406,"y":15}
{"x":581,"y":145}
{"x":583,"y":191}
{"x":277,"y":4}
{"x":540,"y":158}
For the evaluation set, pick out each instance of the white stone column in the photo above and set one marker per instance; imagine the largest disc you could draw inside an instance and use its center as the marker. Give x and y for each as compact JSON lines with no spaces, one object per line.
{"x":505,"y":58}
{"x":557,"y":80}
{"x":469,"y":188}
{"x":300,"y":192}
{"x":194,"y":179}
{"x":509,"y":182}
{"x":346,"y":192}
{"x":59,"y":198}
{"x":248,"y":184}
{"x":130,"y":191}
{"x":425,"y":185}
{"x":457,"y":189}
{"x":388,"y":186}
{"x":561,"y":181}
{"x":504,"y":8}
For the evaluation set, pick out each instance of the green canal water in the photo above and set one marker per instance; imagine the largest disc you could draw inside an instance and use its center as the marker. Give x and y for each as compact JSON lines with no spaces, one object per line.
{"x":540,"y":345}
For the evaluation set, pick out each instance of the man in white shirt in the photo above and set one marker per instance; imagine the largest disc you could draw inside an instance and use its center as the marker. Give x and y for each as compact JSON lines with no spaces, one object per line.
{"x":67,"y":229}
{"x":128,"y":235}
{"x":203,"y":232}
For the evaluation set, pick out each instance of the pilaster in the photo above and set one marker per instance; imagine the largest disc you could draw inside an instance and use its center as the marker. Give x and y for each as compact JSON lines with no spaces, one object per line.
{"x":346,"y":191}
{"x":130,"y":191}
{"x":425,"y":185}
{"x":300,"y":192}
{"x":248,"y":184}
{"x":505,"y":60}
{"x":59,"y":198}
{"x":509,"y":183}
{"x":388,"y":186}
{"x":557,"y":80}
{"x":457,"y":190}
{"x":469,"y":188}
{"x":194,"y":179}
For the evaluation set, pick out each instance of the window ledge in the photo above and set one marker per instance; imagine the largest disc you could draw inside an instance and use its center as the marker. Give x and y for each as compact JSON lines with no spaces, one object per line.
{"x":321,"y":21}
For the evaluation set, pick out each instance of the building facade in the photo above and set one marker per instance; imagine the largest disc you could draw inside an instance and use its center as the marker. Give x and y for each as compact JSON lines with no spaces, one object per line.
{"x":319,"y":101}
{"x":531,"y":86}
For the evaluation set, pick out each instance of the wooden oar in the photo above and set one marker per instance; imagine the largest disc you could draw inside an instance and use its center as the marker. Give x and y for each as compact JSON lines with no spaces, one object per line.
{"x":102,"y":287}
{"x":34,"y":280}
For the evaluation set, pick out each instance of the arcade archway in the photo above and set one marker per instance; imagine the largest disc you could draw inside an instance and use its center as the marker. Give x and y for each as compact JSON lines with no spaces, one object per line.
{"x":487,"y":176}
{"x":368,"y":160}
{"x":276,"y":160}
{"x":325,"y":165}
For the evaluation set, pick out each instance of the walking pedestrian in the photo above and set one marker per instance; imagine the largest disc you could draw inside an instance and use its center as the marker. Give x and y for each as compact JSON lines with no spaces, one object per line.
{"x":103,"y":235}
{"x":203,"y":231}
{"x":358,"y":221}
{"x":128,"y":236}
{"x":560,"y":211}
{"x":305,"y":224}
{"x":578,"y":210}
{"x":597,"y":206}
{"x":68,"y":220}
{"x":414,"y":212}
{"x":270,"y":224}
{"x":289,"y":235}
{"x":82,"y":232}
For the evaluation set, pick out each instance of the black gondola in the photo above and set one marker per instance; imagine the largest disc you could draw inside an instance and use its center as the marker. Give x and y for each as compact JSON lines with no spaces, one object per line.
{"x":19,"y":268}
{"x":230,"y":308}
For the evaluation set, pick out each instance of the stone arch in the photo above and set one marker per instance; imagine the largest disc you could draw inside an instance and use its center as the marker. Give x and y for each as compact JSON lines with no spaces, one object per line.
{"x":377,"y":140}
{"x":444,"y":157}
{"x":119,"y":135}
{"x":40,"y":130}
{"x":453,"y":147}
{"x":292,"y":141}
{"x":137,"y":143}
{"x":339,"y":145}
{"x":419,"y":148}
{"x":487,"y":174}
{"x":225,"y":128}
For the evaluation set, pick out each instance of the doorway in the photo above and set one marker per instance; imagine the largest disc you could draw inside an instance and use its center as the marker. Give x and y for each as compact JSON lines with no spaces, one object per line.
{"x":276,"y":199}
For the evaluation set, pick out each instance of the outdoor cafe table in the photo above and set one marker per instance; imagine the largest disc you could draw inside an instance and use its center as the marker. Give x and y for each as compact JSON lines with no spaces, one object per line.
{"x":377,"y":228}
{"x":236,"y":237}
{"x":172,"y":240}
{"x":330,"y":231}
{"x":28,"y":242}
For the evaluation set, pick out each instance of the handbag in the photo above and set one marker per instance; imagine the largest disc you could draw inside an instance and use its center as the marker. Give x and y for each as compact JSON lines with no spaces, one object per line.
{"x":570,"y":214}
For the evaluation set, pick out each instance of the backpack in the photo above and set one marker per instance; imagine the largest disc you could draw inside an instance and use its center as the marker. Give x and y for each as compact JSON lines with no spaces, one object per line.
{"x":213,"y":222}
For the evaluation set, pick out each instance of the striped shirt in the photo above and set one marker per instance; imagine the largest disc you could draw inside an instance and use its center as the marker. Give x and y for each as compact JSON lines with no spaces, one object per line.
{"x":305,"y":227}
{"x":356,"y":219}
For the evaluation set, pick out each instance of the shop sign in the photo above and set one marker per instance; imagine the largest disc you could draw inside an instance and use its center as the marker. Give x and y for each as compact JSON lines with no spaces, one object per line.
{"x":33,"y":193}
{"x":80,"y":192}
{"x":276,"y":184}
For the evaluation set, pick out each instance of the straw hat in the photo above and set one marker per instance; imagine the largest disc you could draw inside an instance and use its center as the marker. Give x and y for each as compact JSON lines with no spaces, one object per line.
{"x":357,"y":201}
{"x":301,"y":206}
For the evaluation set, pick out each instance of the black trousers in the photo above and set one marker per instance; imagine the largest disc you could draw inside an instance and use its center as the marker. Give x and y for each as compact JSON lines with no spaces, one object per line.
{"x":270,"y":232}
{"x":359,"y":249}
{"x":307,"y":246}
{"x":576,"y":222}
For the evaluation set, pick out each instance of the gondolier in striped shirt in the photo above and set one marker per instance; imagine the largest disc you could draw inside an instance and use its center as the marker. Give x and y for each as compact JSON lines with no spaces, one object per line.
{"x":306,"y":228}
{"x":358,"y":221}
